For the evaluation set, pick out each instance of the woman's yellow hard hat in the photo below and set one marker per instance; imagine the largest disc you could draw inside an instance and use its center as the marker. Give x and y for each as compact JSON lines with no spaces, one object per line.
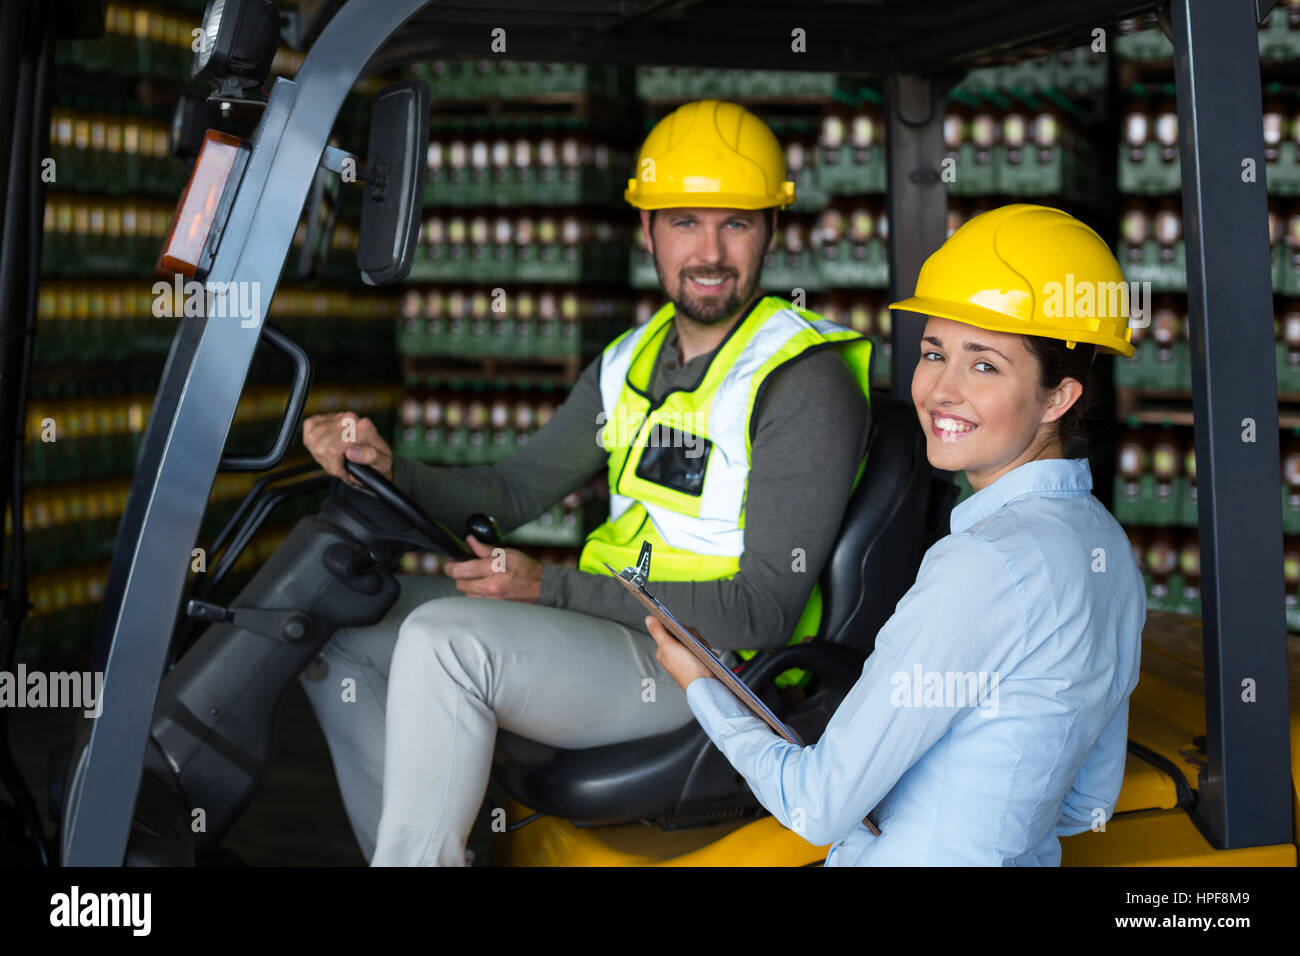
{"x":712,"y":154}
{"x":1032,"y":270}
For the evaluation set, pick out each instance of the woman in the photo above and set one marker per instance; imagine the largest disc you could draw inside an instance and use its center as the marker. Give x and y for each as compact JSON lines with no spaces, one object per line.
{"x":992,"y":716}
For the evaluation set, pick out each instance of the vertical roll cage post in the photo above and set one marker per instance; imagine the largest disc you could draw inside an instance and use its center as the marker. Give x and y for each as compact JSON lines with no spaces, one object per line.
{"x":1245,"y":789}
{"x":201,"y":384}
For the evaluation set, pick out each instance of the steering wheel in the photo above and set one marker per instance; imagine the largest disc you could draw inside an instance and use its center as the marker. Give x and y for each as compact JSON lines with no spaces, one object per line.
{"x":399,"y":503}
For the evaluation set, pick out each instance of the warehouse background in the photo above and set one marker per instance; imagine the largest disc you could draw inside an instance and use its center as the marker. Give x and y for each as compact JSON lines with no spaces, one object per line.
{"x":530,"y":261}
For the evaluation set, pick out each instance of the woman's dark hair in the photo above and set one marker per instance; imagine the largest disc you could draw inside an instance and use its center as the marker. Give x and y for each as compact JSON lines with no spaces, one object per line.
{"x":1056,"y":363}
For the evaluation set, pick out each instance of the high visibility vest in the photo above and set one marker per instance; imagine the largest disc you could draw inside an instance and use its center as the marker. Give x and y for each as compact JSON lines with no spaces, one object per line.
{"x":679,"y":467}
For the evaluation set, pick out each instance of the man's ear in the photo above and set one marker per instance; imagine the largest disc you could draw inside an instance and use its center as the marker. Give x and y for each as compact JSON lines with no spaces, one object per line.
{"x":771,"y":235}
{"x":645,"y":229}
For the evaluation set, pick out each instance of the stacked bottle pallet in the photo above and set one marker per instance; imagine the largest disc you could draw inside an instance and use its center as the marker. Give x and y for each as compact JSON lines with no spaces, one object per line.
{"x":519,"y":277}
{"x":1154,"y":492}
{"x":104,"y":325}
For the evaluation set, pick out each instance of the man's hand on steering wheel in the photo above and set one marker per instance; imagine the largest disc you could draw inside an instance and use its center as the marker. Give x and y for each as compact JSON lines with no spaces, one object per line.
{"x":502,"y":573}
{"x":506,"y":574}
{"x":331,"y":437}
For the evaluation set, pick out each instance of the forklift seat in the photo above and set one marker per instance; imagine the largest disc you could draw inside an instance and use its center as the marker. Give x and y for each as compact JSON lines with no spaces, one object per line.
{"x":679,"y":777}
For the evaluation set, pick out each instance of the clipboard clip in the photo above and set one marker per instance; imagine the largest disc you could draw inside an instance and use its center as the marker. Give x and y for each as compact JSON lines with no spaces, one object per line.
{"x":640,"y":575}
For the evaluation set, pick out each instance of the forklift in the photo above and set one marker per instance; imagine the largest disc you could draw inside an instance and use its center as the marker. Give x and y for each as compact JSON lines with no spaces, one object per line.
{"x":191,"y":686}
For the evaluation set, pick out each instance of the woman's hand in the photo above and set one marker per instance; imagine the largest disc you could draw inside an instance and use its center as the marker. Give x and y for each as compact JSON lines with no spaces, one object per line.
{"x":345,"y":435}
{"x":673,"y":655}
{"x":508,"y":576}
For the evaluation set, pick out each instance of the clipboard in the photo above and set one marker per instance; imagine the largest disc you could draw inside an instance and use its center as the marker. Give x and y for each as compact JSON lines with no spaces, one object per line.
{"x":635,"y":580}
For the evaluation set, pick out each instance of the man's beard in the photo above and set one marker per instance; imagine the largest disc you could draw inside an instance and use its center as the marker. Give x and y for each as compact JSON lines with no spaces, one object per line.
{"x":710,"y":310}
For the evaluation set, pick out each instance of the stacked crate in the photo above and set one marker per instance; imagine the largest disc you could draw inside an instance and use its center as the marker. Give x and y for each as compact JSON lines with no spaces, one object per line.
{"x":1154,"y":492}
{"x":105,"y":322}
{"x":519,"y":276}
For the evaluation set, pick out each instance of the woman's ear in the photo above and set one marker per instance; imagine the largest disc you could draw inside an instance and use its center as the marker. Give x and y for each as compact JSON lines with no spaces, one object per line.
{"x":1062,"y":399}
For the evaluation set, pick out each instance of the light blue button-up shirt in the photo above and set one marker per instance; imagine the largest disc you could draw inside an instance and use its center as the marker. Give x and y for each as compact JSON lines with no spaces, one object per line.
{"x":992,"y":716}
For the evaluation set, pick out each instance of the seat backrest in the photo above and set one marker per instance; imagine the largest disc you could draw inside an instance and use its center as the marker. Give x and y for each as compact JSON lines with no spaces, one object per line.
{"x":886,"y":528}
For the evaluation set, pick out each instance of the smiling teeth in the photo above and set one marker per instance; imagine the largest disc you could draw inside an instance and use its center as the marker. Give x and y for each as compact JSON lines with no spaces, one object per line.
{"x":708,"y":281}
{"x":950,"y":428}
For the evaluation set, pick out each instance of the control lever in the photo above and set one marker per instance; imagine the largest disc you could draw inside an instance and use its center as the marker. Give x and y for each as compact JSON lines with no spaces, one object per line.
{"x":280,"y":625}
{"x":484,"y":528}
{"x":356,"y":566}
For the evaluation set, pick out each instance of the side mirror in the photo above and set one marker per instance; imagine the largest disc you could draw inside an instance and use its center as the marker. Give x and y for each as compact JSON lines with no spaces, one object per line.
{"x":394,"y":182}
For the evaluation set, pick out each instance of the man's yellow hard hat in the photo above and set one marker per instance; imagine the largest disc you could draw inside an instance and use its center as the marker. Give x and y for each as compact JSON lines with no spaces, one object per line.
{"x":1032,"y":270}
{"x":713,"y":154}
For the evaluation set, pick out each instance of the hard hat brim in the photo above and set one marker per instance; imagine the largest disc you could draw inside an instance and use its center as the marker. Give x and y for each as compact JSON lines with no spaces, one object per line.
{"x":982,"y":318}
{"x":704,"y":202}
{"x":642,"y":198}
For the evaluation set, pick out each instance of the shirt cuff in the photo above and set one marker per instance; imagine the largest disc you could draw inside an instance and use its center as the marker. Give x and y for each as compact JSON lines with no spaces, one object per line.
{"x":714,"y":705}
{"x":402,"y":475}
{"x":552,"y":589}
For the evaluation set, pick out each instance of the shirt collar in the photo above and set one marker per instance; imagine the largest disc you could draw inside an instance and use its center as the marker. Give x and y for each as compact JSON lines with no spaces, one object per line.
{"x":1045,"y":476}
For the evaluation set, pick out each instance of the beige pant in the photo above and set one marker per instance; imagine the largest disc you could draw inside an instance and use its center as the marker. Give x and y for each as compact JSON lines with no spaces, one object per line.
{"x":411,"y":734}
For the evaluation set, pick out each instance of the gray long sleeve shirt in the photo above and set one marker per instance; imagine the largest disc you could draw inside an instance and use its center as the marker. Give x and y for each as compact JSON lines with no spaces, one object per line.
{"x":812,"y":422}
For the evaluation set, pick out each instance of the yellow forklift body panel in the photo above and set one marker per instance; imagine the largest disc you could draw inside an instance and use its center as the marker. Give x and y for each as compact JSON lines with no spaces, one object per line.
{"x":1163,"y":838}
{"x":550,"y":841}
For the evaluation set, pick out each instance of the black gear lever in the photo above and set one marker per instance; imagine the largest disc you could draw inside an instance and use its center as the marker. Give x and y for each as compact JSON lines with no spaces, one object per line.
{"x":484,"y":528}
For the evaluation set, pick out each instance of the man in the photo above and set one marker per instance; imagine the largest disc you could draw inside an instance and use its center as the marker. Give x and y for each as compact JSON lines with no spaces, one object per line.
{"x":733,"y":429}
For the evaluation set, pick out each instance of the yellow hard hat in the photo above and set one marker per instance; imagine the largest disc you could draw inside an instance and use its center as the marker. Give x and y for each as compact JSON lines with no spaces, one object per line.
{"x":1032,"y":270}
{"x":713,"y":154}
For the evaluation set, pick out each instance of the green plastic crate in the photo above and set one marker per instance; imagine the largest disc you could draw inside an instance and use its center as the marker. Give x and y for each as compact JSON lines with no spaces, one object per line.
{"x":981,"y":80}
{"x":1151,"y":176}
{"x":1148,"y":266}
{"x":1080,"y":72}
{"x":1286,"y":271}
{"x":552,"y":528}
{"x":882,"y":364}
{"x":1030,"y":76}
{"x":1290,"y":513}
{"x":854,"y":265}
{"x":1067,"y":173}
{"x":641,"y":269}
{"x":1288,"y":370}
{"x":784,"y":271}
{"x":1144,"y":45}
{"x":972,"y":177}
{"x":1284,"y":173}
{"x":851,"y":172}
{"x":1277,"y":41}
